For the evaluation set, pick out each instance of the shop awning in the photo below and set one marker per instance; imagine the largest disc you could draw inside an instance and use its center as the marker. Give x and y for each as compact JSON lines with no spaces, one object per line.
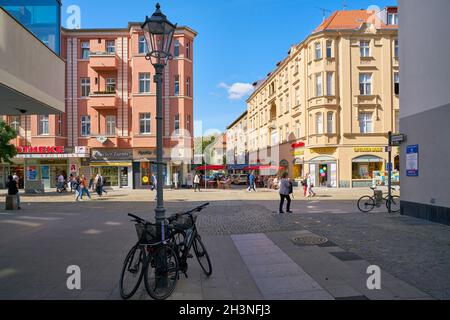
{"x":210,"y":167}
{"x":264,"y":168}
{"x":322,"y":159}
{"x":110,"y":164}
{"x":367,"y":159}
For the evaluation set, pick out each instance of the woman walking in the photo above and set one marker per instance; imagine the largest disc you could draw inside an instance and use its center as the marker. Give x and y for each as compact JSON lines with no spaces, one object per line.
{"x":285,"y":189}
{"x":197,"y":182}
{"x":13,"y":190}
{"x":310,"y":184}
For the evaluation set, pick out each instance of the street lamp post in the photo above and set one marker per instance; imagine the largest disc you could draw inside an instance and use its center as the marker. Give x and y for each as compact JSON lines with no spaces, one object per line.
{"x":158,"y":33}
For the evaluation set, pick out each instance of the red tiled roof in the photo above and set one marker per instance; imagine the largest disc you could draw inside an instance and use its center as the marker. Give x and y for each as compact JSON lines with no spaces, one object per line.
{"x":351,"y":20}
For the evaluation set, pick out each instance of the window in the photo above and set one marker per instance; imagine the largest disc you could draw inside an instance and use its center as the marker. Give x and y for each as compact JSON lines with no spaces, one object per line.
{"x":288,"y":105}
{"x":396,"y":49}
{"x":176,"y":49}
{"x":111,"y":85}
{"x":188,"y":50}
{"x":85,"y":87}
{"x":85,"y":126}
{"x":43,"y":125}
{"x":188,"y":86}
{"x":330,"y":83}
{"x":144,"y":82}
{"x":15,"y":123}
{"x":330,"y":119}
{"x":319,"y":85}
{"x":364,"y":47}
{"x":286,"y":75}
{"x":176,"y":85}
{"x":365,"y":84}
{"x":142,"y":45}
{"x":110,"y":46}
{"x":297,"y":129}
{"x":392,"y":18}
{"x":144,"y":123}
{"x":59,"y":125}
{"x":85,"y":50}
{"x":365,"y":122}
{"x":329,"y":49}
{"x":111,"y":125}
{"x":319,"y":123}
{"x":188,"y":122}
{"x":177,"y":124}
{"x":318,"y":51}
{"x":396,"y":83}
{"x":297,"y":97}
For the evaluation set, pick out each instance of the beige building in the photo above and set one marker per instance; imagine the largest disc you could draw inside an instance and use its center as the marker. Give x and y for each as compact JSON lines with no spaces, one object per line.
{"x":328,"y":106}
{"x":237,"y":141}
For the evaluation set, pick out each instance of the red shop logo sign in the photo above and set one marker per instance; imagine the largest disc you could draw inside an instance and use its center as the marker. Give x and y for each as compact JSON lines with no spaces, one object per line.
{"x":40,"y":150}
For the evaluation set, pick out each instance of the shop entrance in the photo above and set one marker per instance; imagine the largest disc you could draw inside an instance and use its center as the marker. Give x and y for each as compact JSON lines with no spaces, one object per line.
{"x":323,"y":171}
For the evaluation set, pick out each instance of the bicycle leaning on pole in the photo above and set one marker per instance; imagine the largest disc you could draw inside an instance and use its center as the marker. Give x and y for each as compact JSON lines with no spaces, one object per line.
{"x":368,"y":203}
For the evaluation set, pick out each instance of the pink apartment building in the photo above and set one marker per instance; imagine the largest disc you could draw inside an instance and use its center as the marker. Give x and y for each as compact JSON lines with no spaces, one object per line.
{"x":110,"y":122}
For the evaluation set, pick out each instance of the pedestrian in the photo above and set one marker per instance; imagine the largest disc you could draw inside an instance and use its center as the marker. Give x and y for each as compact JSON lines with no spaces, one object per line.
{"x":60,"y":183}
{"x":175,"y":179}
{"x":251,"y":182}
{"x":285,"y":189}
{"x":197,"y":182}
{"x":310,"y":185}
{"x":71,"y":181}
{"x":85,"y":187}
{"x":13,"y":190}
{"x":305,"y":185}
{"x":77,"y":187}
{"x":155,"y":185}
{"x":103,"y":184}
{"x":98,"y":184}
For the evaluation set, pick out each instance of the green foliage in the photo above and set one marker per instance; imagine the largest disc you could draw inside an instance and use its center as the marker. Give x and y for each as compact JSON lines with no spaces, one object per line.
{"x":7,"y":150}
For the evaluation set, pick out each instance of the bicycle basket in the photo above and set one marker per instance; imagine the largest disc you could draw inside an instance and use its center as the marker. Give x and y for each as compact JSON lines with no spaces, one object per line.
{"x":150,"y":233}
{"x":184,"y":222}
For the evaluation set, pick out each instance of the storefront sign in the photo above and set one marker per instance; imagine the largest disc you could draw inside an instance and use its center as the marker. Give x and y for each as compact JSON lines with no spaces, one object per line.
{"x":323,"y":150}
{"x":81,"y":150}
{"x":299,"y":153}
{"x":105,"y":155}
{"x":368,"y":149}
{"x":40,"y":150}
{"x":144,"y":154}
{"x":73,"y":168}
{"x":412,"y":161}
{"x":297,"y":145}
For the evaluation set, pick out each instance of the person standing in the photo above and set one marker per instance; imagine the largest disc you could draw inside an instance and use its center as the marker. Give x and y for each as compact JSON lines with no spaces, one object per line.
{"x":197,"y":182}
{"x":103,"y":184}
{"x":13,"y":190}
{"x":305,"y":186}
{"x":310,"y":185}
{"x":285,"y":189}
{"x":98,"y":184}
{"x":60,"y":184}
{"x":251,"y":182}
{"x":175,"y":179}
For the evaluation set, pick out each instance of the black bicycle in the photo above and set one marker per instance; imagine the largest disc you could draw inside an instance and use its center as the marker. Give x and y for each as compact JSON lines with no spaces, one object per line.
{"x":141,"y":262}
{"x":368,"y":203}
{"x":185,"y":237}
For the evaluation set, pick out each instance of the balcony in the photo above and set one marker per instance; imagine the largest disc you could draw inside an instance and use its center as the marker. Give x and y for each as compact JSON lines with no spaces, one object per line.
{"x":102,"y":100}
{"x":103,"y":61}
{"x":322,"y":140}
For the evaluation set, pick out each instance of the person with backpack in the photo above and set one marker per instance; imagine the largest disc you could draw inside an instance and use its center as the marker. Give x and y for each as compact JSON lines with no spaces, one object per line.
{"x":13,"y":190}
{"x":285,"y":190}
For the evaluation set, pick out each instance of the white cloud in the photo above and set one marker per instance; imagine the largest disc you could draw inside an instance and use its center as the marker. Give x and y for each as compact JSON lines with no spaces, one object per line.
{"x":237,"y":90}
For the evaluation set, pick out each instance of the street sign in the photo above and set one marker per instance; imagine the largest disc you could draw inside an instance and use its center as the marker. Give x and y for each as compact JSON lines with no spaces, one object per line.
{"x":412,"y":161}
{"x":398,"y":138}
{"x":388,"y":149}
{"x":389,"y":166}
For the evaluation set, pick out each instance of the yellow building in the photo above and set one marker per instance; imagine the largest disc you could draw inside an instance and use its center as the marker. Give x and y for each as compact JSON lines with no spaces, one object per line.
{"x":328,"y":106}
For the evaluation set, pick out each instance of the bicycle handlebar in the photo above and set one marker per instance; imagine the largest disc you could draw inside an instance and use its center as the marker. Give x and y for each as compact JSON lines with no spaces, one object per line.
{"x":198,"y":209}
{"x":136,"y":218}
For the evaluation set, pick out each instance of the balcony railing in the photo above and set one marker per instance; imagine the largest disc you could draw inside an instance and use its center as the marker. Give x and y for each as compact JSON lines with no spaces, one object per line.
{"x":103,"y":61}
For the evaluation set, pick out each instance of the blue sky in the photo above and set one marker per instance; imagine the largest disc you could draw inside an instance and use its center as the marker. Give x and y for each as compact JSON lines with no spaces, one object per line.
{"x":239,"y":41}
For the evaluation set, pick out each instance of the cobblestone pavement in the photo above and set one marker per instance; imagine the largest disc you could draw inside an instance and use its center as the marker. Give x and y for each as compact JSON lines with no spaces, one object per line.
{"x":96,"y":235}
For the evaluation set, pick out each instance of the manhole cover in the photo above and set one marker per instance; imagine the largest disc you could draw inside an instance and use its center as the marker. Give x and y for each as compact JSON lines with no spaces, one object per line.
{"x":309,"y":240}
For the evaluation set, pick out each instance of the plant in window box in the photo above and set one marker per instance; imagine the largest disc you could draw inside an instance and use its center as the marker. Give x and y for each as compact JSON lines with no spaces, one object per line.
{"x":105,"y":92}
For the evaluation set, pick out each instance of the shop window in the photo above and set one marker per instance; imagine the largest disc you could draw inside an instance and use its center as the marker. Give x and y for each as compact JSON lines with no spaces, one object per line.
{"x":365,"y":170}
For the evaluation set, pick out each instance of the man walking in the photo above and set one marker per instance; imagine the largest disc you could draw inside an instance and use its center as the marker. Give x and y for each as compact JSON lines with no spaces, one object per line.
{"x":286,"y":188}
{"x":310,"y":185}
{"x":197,"y":182}
{"x":13,"y":190}
{"x":251,"y":183}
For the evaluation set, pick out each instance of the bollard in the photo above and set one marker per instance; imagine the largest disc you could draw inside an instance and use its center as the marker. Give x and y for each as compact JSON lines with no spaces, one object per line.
{"x":11,"y":202}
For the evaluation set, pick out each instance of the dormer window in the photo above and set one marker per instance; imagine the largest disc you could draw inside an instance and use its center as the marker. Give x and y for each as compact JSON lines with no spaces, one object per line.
{"x":392,"y":19}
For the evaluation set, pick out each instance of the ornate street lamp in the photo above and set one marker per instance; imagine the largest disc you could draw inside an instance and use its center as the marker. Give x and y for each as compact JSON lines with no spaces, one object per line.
{"x":158,"y":33}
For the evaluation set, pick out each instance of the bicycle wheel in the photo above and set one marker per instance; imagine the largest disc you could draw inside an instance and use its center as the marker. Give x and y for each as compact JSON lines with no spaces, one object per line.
{"x":157,"y":285}
{"x":179,"y":245}
{"x":202,"y":256}
{"x":366,"y":204}
{"x":395,"y":204}
{"x":132,"y":272}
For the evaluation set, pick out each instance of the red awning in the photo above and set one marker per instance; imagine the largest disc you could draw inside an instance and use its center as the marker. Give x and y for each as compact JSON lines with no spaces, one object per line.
{"x":210,"y":167}
{"x":263,"y":168}
{"x":299,"y":144}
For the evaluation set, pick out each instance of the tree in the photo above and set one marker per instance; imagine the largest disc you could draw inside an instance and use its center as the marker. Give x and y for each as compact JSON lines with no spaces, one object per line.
{"x":7,"y":150}
{"x":201,"y":143}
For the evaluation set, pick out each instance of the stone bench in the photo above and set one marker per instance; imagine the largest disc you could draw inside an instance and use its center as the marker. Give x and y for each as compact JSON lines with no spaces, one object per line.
{"x":11,"y":202}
